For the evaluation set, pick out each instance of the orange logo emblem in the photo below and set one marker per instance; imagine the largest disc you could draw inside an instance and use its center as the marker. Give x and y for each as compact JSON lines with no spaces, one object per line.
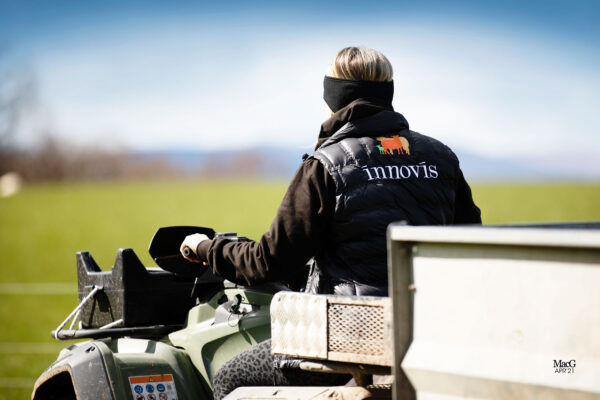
{"x":389,"y":144}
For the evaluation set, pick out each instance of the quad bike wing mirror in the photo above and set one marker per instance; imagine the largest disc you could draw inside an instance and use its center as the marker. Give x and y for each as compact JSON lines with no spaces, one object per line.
{"x":165,"y":245}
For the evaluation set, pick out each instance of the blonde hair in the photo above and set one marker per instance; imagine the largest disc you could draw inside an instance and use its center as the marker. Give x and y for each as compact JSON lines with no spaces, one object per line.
{"x":361,"y":64}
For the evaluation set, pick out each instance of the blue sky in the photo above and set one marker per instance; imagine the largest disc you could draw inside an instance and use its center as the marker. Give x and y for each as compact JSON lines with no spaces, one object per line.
{"x":497,"y":79}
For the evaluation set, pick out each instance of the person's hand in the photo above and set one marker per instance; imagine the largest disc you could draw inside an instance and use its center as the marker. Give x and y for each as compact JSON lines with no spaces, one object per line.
{"x":192,"y":242}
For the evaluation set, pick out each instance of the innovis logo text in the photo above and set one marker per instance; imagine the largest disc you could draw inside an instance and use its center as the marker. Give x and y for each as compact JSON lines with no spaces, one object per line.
{"x":564,"y":367}
{"x":421,"y":170}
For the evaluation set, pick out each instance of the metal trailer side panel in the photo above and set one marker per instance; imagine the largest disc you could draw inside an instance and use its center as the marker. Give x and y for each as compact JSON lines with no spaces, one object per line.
{"x":498,"y":312}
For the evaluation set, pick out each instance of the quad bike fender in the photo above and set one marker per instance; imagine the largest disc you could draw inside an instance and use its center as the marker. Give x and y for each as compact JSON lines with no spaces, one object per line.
{"x":78,"y":371}
{"x":109,"y":369}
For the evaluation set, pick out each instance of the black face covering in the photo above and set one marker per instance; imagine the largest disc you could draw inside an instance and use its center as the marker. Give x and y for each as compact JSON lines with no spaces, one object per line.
{"x":339,"y":93}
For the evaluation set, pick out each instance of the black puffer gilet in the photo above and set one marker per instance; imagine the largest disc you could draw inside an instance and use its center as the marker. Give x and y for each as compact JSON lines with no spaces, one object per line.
{"x":383,"y":173}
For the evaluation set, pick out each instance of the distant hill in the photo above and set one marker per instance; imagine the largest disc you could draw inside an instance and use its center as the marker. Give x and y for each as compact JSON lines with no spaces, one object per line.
{"x":481,"y":168}
{"x":582,"y":167}
{"x":264,"y":162}
{"x":281,"y":162}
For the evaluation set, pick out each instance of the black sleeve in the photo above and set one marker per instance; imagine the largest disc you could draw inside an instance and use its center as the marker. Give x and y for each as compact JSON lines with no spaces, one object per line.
{"x":465,"y":210}
{"x":295,"y":235}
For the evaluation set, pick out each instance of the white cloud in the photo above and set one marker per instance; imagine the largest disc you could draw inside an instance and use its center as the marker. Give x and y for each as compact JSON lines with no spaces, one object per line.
{"x":485,"y":91}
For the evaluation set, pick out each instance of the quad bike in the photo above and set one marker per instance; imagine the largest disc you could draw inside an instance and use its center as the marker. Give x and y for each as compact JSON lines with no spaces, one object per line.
{"x":155,"y":334}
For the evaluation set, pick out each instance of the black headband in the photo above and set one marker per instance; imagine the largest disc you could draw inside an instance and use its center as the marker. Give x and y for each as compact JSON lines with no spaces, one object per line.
{"x":338,"y":93}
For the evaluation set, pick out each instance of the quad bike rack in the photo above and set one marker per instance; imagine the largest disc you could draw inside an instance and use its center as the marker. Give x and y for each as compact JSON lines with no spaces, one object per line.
{"x":131,"y":300}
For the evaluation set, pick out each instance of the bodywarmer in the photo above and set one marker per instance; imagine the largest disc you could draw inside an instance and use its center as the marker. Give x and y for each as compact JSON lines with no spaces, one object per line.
{"x":383,"y":173}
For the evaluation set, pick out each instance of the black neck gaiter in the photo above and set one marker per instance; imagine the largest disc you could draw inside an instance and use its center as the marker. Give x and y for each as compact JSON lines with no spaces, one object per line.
{"x":338,"y":93}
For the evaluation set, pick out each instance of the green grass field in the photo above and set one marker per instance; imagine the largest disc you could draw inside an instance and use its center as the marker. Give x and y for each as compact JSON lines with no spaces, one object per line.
{"x":43,"y":226}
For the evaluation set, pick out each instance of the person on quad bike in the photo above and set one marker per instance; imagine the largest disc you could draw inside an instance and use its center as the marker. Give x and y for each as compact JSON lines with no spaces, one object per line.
{"x":368,"y":170}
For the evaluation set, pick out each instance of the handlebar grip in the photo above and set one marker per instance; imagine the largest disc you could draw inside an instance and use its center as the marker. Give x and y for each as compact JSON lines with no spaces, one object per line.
{"x":189,"y":253}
